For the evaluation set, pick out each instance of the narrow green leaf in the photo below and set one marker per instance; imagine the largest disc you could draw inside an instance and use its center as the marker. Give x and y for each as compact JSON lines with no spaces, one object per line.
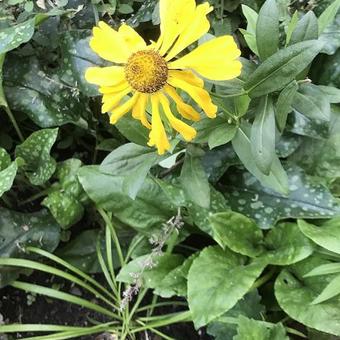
{"x":250,"y":33}
{"x":328,"y":15}
{"x":324,"y":269}
{"x":267,"y":29}
{"x":262,"y":136}
{"x":282,"y":67}
{"x":277,"y":178}
{"x":306,"y":29}
{"x":194,"y":179}
{"x":291,"y":26}
{"x":283,"y":104}
{"x":331,"y":290}
{"x":332,"y":93}
{"x":223,"y":134}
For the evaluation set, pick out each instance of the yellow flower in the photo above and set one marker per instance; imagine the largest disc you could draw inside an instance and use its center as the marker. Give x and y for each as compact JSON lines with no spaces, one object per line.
{"x":151,"y":73}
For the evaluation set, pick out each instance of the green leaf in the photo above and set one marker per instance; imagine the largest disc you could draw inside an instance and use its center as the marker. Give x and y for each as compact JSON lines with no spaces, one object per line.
{"x":133,"y":162}
{"x":206,"y":126}
{"x":64,"y":208}
{"x":305,"y":200}
{"x":311,"y":102}
{"x":77,"y":57}
{"x":12,"y":37}
{"x":327,"y":235}
{"x":277,"y":178}
{"x":306,"y":29}
{"x":175,"y":282}
{"x":267,"y":29}
{"x":193,"y":178}
{"x":295,"y":294}
{"x":7,"y":176}
{"x":44,"y":98}
{"x":284,"y":104}
{"x":250,"y":33}
{"x":133,"y":130}
{"x":332,"y":93}
{"x":249,"y":329}
{"x":3,"y":101}
{"x":285,"y":245}
{"x":282,"y":67}
{"x":20,"y":230}
{"x":223,"y":134}
{"x":262,"y":136}
{"x":146,"y":213}
{"x":35,"y":151}
{"x":324,"y":269}
{"x":248,"y":306}
{"x":291,"y":26}
{"x":331,"y":290}
{"x":237,"y":232}
{"x":200,"y":216}
{"x":230,"y":278}
{"x":328,"y":15}
{"x":151,"y":276}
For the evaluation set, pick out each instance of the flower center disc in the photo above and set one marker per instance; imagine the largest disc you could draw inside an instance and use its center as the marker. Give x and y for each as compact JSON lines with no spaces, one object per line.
{"x":146,"y":71}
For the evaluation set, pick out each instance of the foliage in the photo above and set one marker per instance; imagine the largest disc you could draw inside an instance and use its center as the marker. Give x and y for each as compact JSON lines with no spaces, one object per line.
{"x":238,"y":230}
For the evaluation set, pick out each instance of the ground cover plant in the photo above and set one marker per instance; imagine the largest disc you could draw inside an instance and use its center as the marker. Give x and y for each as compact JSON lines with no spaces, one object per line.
{"x":176,"y":161}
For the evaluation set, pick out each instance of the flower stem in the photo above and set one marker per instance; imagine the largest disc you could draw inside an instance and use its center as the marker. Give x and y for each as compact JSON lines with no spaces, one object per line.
{"x":14,"y":122}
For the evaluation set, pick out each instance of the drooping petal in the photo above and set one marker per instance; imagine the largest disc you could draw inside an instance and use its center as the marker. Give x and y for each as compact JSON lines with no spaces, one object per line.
{"x":131,"y":38}
{"x":185,"y":130}
{"x":121,"y":110}
{"x":111,"y":100}
{"x":215,"y":59}
{"x":185,"y":110}
{"x":199,"y":95}
{"x":114,"y":89}
{"x":157,"y":136}
{"x":187,"y":76}
{"x":175,"y":15}
{"x":195,"y":30}
{"x":105,"y":76}
{"x":139,"y":110}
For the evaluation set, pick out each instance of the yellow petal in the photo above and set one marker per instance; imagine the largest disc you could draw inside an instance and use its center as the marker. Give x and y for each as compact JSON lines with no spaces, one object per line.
{"x":131,"y":38}
{"x":187,"y":111}
{"x":105,"y":76}
{"x":200,"y":96}
{"x":114,"y":89}
{"x":120,"y":111}
{"x":157,"y":136}
{"x":187,"y":76}
{"x":109,"y":44}
{"x":138,"y":111}
{"x":195,"y":30}
{"x":111,"y":100}
{"x":185,"y":130}
{"x":216,"y":59}
{"x":175,"y":15}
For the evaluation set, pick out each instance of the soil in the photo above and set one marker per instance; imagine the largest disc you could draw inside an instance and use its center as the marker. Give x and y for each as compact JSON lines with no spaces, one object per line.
{"x":17,"y":306}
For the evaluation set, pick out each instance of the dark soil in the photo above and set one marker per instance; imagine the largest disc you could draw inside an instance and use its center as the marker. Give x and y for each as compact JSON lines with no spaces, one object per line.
{"x":17,"y":306}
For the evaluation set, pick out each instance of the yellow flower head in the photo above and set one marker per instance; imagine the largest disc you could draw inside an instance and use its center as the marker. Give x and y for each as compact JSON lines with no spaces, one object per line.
{"x":151,"y":73}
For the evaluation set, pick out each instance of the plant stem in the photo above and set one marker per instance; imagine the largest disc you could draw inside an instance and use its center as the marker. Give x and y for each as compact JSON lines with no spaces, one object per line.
{"x":262,"y":280}
{"x":14,"y":122}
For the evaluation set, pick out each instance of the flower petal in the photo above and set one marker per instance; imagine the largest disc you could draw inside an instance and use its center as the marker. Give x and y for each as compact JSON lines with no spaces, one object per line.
{"x":185,"y":130}
{"x":157,"y":134}
{"x":200,"y":96}
{"x":132,"y":39}
{"x":175,"y":15}
{"x":185,"y":110}
{"x":109,"y":44}
{"x":187,"y":76}
{"x":111,"y":100}
{"x":114,"y":89}
{"x":216,"y":59}
{"x":120,"y":111}
{"x":195,"y":30}
{"x":138,"y":111}
{"x":105,"y":76}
